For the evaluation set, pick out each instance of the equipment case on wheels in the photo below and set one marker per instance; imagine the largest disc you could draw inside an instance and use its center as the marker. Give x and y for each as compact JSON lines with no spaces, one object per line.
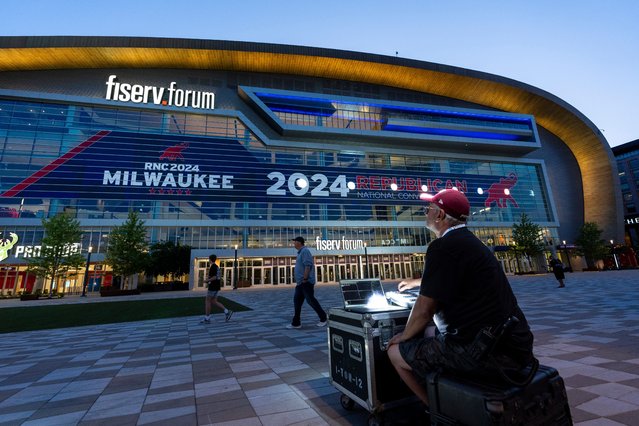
{"x":464,"y":401}
{"x":358,"y":362}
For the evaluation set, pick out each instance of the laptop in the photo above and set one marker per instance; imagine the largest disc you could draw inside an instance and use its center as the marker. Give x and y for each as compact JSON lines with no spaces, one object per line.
{"x":365,"y":296}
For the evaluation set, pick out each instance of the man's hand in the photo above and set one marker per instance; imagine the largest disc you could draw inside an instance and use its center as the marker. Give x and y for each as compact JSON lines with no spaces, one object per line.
{"x":396,"y":339}
{"x":408,"y":284}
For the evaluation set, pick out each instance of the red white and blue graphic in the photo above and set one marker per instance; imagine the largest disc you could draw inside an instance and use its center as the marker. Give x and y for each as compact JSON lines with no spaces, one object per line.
{"x":125,"y":165}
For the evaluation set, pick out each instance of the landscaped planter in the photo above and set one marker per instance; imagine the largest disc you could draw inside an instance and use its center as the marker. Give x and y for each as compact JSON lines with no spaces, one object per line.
{"x":29,"y":297}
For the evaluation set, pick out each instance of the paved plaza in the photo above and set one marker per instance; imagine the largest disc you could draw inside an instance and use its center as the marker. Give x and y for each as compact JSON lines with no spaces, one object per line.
{"x":253,"y":371}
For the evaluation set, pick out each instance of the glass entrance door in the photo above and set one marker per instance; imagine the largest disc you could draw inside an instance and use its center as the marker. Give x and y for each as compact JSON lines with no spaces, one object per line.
{"x":285,"y":274}
{"x":228,"y":277}
{"x":257,"y":275}
{"x":398,"y":270}
{"x":329,"y":273}
{"x":267,"y":273}
{"x":200,"y":274}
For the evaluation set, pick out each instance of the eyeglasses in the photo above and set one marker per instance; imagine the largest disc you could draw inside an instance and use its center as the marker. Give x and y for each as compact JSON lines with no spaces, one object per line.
{"x":427,"y":208}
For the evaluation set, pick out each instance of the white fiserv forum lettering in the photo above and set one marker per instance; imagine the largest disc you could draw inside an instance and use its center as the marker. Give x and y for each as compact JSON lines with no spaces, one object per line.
{"x":342,"y":244}
{"x":165,"y":96}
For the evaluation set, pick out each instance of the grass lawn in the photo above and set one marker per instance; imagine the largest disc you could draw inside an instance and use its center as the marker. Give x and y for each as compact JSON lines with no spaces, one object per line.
{"x":74,"y":315}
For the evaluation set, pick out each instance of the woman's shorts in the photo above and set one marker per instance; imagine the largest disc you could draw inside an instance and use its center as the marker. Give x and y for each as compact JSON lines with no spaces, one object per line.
{"x":212,"y":293}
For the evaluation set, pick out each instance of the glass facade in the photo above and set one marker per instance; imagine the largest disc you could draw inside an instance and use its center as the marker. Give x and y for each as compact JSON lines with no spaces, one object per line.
{"x":337,"y":113}
{"x":627,"y":157}
{"x":208,"y":181}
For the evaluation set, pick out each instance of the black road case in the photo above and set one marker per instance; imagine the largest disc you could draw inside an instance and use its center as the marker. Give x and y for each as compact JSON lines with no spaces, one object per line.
{"x":358,"y":362}
{"x":463,"y":401}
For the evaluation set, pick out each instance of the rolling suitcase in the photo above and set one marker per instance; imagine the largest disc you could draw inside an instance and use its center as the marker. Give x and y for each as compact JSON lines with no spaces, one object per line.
{"x":465,"y":401}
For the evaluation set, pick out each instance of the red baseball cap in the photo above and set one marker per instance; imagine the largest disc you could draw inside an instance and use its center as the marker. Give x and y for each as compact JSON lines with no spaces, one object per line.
{"x":453,"y":202}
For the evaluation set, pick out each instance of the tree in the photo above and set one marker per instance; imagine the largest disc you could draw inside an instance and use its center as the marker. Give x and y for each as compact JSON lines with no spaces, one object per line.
{"x":127,"y":248}
{"x":590,"y":245}
{"x":166,"y":258}
{"x":58,"y":254}
{"x":527,"y":237}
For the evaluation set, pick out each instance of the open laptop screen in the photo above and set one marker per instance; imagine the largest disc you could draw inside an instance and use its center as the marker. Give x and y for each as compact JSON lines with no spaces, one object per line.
{"x":362,"y":292}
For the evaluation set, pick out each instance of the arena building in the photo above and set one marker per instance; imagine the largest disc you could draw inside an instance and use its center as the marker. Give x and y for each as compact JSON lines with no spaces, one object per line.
{"x":235,"y":148}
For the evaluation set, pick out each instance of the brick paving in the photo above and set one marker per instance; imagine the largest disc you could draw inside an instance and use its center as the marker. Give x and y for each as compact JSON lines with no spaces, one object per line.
{"x":253,"y":371}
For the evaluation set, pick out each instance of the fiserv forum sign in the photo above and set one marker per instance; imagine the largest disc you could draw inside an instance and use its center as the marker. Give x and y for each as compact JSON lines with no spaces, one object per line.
{"x":165,"y":96}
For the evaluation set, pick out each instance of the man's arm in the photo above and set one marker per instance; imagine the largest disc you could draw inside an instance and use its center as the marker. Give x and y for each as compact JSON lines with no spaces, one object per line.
{"x":307,"y":273}
{"x":421,"y":314}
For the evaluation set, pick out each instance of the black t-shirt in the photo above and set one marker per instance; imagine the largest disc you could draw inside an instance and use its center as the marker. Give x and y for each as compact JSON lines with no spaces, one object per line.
{"x":214,"y":284}
{"x":471,"y":290}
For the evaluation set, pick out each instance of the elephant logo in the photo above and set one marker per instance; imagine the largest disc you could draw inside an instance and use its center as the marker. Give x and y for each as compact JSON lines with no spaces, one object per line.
{"x":499,"y":192}
{"x":6,"y":244}
{"x":174,"y":152}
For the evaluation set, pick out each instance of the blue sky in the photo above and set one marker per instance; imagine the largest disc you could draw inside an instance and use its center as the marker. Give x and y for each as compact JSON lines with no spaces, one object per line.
{"x":583,"y":51}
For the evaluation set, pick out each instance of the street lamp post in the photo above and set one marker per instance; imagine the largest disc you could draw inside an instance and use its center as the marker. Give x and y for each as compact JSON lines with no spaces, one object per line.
{"x":366,"y":260}
{"x":86,"y":273}
{"x":235,"y":270}
{"x":614,"y":255}
{"x":567,"y":255}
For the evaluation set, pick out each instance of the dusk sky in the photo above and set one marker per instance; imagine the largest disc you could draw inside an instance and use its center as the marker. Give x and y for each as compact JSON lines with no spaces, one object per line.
{"x":585,"y":52}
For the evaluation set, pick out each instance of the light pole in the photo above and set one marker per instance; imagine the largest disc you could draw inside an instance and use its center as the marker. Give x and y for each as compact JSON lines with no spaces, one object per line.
{"x":567,"y":256}
{"x":86,"y":273}
{"x":235,"y":270}
{"x":614,"y":255}
{"x":366,"y":260}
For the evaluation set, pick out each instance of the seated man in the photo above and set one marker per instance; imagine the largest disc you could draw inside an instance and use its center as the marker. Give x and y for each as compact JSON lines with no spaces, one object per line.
{"x":463,"y":290}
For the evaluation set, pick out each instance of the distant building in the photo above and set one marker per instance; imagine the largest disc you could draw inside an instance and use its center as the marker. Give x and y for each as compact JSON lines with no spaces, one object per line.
{"x":627,"y":156}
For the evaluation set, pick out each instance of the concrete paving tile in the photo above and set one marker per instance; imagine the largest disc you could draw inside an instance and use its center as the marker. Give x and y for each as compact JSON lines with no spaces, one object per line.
{"x":170,"y":416}
{"x":221,"y":397}
{"x":225,"y":415}
{"x":289,"y":418}
{"x":175,"y":402}
{"x":578,"y":396}
{"x":600,"y":422}
{"x":175,"y":388}
{"x":16,"y":417}
{"x":123,"y":386}
{"x":216,"y":387}
{"x":604,"y":406}
{"x":253,"y":421}
{"x":278,"y":404}
{"x":631,"y":397}
{"x":33,"y":394}
{"x":168,"y":396}
{"x":123,"y":403}
{"x":611,"y":390}
{"x":629,"y":418}
{"x":63,"y":415}
{"x":260,"y":384}
{"x":123,"y":420}
{"x":300,"y":376}
{"x":621,"y":366}
{"x":229,"y":404}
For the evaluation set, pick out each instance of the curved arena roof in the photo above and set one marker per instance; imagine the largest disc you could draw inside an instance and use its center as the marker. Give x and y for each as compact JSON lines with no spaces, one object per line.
{"x":602,"y":198}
